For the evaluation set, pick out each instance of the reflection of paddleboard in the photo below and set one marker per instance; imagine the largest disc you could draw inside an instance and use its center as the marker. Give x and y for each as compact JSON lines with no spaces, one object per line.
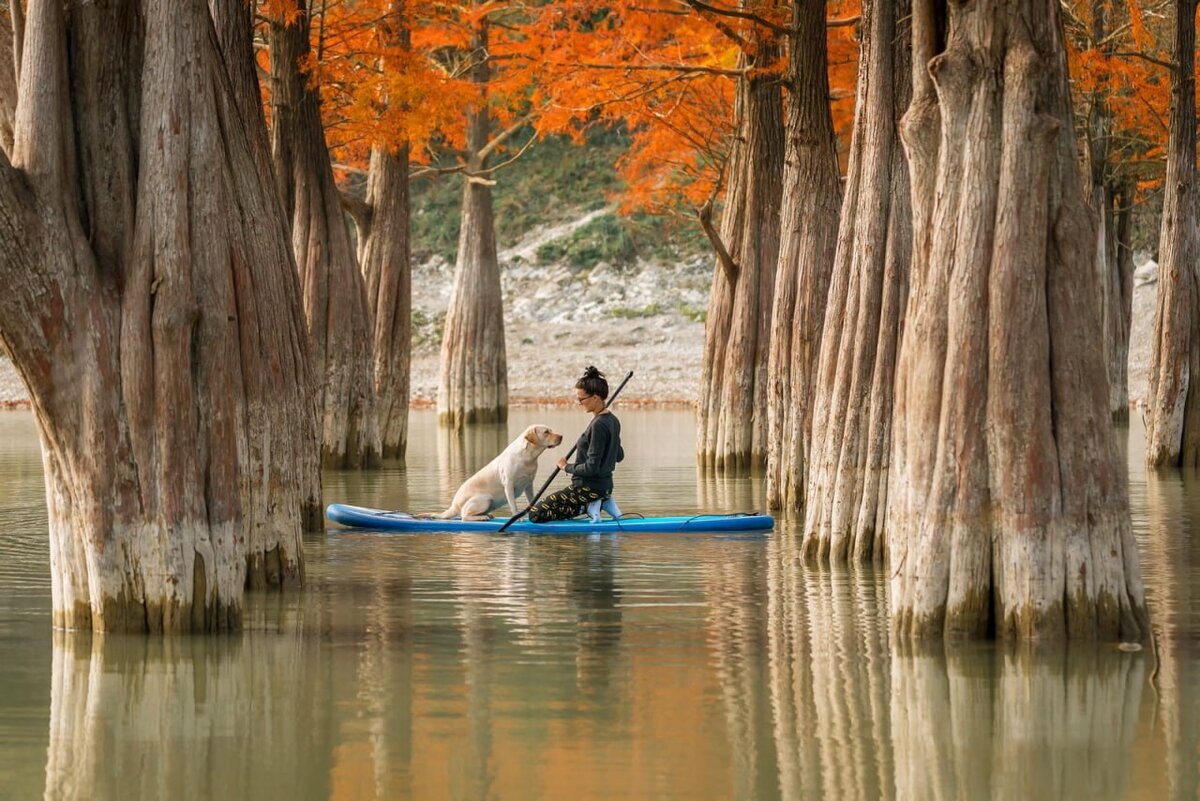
{"x":377,"y":520}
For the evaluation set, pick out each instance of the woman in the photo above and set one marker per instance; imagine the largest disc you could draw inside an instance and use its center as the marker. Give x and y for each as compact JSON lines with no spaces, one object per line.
{"x":598,"y":451}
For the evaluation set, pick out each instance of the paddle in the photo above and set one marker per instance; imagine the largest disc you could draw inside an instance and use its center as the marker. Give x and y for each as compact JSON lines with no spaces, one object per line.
{"x":570,"y":453}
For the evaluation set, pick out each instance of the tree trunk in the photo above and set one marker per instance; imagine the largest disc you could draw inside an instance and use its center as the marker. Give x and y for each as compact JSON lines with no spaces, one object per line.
{"x":474,"y":378}
{"x":1121,"y":317}
{"x":812,"y":195}
{"x":1173,"y":413}
{"x":11,"y":23}
{"x":1114,"y":297}
{"x":151,"y":312}
{"x":731,"y":426}
{"x":385,"y":254}
{"x":855,"y":380}
{"x":335,"y":300}
{"x":1007,"y":514}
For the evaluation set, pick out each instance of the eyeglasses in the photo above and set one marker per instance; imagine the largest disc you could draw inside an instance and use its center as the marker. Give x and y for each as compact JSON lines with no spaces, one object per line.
{"x":581,"y":399}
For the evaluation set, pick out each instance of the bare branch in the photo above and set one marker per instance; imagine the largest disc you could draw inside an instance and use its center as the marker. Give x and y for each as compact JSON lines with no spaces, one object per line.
{"x":720,"y":25}
{"x":360,"y":210}
{"x":1170,"y":65}
{"x":714,"y":237}
{"x":685,"y":69}
{"x":705,"y":8}
{"x":505,"y":135}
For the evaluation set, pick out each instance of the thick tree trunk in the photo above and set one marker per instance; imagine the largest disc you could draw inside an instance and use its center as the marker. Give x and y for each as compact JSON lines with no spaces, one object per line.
{"x":812,"y":196}
{"x":385,"y":254}
{"x":335,"y":300}
{"x":473,"y":387}
{"x":855,"y":380}
{"x":1007,"y":513}
{"x":151,"y":312}
{"x":731,"y":426}
{"x":1173,"y":413}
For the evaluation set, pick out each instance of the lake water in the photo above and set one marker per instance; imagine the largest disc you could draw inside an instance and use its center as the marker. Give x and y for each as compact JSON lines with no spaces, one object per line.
{"x":631,"y":666}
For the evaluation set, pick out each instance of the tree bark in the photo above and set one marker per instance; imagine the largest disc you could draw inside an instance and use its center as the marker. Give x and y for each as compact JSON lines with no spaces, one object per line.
{"x":148,"y":312}
{"x":11,"y":34}
{"x":384,"y":251}
{"x":731,"y":426}
{"x":855,"y":380}
{"x":1007,"y":512}
{"x":1116,"y":302}
{"x":335,"y":302}
{"x":1173,"y":409}
{"x":473,"y":386}
{"x":812,"y":196}
{"x":385,"y":255}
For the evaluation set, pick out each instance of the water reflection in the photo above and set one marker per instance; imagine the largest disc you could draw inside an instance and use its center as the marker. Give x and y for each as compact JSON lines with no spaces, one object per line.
{"x":185,"y":718}
{"x":461,"y":453}
{"x":690,"y":666}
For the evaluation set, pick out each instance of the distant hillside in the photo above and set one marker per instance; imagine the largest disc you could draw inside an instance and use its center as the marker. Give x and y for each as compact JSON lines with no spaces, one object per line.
{"x":554,"y":182}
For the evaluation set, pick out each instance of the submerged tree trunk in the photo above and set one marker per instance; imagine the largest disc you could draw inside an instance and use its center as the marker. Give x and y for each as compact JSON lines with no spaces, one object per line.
{"x":151,"y":309}
{"x":334,"y":297}
{"x":473,"y":387}
{"x":812,"y":195}
{"x":1173,"y":413}
{"x":1007,"y":512}
{"x":384,"y":250}
{"x":385,"y":253}
{"x":855,"y":380}
{"x":731,"y":426}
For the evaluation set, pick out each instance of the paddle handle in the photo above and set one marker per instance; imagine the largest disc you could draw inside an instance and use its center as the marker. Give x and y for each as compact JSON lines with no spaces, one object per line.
{"x":570,"y":453}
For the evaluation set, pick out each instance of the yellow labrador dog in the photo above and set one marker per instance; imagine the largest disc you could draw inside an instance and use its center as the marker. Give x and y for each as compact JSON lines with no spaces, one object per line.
{"x":504,"y":478}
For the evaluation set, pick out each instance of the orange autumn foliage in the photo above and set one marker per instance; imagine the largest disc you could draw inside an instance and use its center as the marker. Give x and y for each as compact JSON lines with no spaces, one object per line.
{"x":665,"y":69}
{"x":1127,"y":71}
{"x":660,"y":68}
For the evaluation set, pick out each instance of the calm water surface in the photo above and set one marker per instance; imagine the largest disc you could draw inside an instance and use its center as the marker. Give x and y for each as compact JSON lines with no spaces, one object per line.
{"x":653,"y":666}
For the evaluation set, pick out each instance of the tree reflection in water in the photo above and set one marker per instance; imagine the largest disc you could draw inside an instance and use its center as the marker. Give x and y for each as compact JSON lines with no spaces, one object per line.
{"x":188,"y":717}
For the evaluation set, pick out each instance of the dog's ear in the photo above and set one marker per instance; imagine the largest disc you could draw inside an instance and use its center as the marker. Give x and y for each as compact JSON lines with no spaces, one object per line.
{"x":532,"y":436}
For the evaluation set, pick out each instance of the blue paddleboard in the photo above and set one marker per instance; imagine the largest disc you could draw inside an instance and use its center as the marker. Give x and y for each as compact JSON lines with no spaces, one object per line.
{"x":378,"y":520}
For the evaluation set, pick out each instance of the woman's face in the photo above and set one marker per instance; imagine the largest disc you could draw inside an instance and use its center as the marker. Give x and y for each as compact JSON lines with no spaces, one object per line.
{"x":587,"y":401}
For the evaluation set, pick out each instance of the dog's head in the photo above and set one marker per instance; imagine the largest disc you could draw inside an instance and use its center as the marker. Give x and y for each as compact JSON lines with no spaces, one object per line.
{"x":542,"y":436}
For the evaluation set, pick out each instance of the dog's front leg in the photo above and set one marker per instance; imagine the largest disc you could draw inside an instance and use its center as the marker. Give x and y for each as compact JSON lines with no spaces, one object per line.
{"x":506,"y":481}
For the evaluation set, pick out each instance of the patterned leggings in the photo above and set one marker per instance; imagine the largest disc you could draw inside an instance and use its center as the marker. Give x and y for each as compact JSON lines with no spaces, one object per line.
{"x":563,"y":505}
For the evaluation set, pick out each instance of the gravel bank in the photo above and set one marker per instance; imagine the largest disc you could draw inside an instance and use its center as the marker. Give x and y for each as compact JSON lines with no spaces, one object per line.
{"x":647,"y":320}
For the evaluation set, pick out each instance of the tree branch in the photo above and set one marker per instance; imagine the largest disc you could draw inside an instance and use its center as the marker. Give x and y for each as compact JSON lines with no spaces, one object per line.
{"x":704,"y":213}
{"x":504,"y":136}
{"x":705,"y":8}
{"x":720,"y":25}
{"x":1170,"y":65}
{"x":684,"y":69}
{"x":360,"y":210}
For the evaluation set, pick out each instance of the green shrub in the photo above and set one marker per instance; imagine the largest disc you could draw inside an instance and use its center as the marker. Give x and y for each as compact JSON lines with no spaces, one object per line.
{"x":427,"y":328}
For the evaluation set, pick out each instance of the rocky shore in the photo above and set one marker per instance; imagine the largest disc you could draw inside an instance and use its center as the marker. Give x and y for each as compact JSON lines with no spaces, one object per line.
{"x":648,"y":319}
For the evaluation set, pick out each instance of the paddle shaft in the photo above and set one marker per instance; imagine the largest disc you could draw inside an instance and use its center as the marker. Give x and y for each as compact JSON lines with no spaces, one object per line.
{"x":611,"y":399}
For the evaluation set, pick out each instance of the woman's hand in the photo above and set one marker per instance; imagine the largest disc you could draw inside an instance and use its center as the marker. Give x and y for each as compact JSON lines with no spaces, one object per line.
{"x":562,"y":464}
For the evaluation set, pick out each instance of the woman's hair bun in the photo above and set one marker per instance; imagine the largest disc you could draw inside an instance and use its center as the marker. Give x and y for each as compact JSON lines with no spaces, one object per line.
{"x":592,"y":372}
